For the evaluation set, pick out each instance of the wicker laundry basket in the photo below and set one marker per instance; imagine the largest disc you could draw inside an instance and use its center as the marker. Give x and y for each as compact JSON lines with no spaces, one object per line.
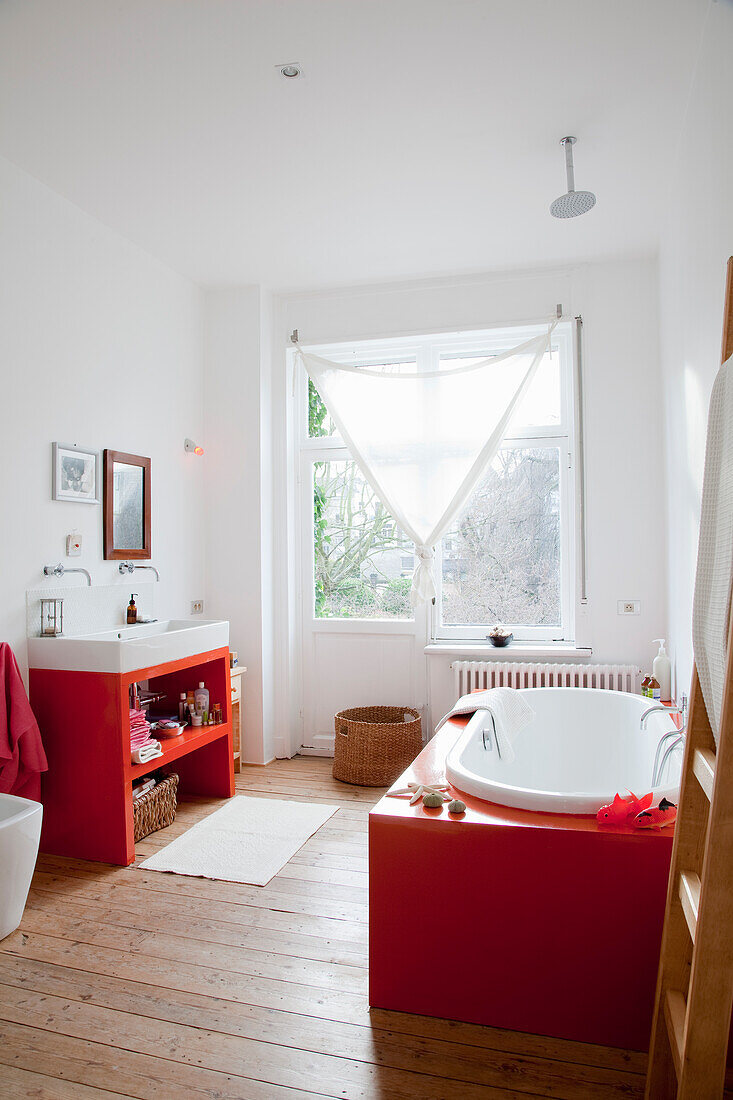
{"x":157,"y":808}
{"x":375,"y":744}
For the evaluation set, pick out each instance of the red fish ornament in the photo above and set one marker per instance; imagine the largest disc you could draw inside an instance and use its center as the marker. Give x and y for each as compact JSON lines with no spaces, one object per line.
{"x":623,"y":810}
{"x":657,"y":817}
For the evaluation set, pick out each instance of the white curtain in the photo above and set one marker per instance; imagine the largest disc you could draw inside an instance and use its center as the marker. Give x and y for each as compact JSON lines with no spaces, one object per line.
{"x":423,"y":439}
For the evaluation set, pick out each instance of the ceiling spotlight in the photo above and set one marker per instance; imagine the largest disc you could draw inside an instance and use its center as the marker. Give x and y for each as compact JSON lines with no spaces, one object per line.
{"x":291,"y":70}
{"x":192,"y":448}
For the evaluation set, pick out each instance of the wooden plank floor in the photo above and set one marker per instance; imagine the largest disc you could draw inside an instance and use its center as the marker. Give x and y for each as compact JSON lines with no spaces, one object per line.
{"x":122,"y":982}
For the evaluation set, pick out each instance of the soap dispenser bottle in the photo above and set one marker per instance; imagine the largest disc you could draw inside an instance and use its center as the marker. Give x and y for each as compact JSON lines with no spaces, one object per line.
{"x":132,"y":610}
{"x":662,"y":669}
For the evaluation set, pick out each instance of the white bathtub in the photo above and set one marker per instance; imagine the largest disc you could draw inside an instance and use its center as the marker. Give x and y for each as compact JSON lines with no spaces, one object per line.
{"x":20,"y":832}
{"x":582,"y":746}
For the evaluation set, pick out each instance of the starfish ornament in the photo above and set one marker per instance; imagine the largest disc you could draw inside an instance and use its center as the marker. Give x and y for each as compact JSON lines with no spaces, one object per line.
{"x":417,"y":790}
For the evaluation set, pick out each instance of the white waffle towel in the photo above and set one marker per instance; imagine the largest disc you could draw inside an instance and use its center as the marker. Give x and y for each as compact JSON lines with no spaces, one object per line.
{"x":149,"y":751}
{"x":712,"y":607}
{"x":510,"y":710}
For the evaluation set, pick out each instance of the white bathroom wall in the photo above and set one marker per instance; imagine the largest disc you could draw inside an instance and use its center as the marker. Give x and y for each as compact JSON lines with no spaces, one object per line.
{"x":100,"y":345}
{"x":696,"y":244}
{"x":624,"y":451}
{"x":239,"y":495}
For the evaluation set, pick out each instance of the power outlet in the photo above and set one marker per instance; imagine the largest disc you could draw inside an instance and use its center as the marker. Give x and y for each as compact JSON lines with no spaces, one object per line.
{"x":197,"y":607}
{"x":629,"y":607}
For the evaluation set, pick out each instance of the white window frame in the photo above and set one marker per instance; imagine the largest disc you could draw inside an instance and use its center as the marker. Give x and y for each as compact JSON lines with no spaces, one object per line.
{"x":427,"y":351}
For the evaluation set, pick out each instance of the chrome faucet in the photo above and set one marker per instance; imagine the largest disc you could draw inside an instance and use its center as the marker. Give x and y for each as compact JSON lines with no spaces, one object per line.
{"x":59,"y":570}
{"x":130,"y":567}
{"x":676,"y":736}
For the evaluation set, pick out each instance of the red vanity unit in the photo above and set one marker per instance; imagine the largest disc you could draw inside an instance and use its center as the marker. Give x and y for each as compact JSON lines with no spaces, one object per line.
{"x":85,"y":723}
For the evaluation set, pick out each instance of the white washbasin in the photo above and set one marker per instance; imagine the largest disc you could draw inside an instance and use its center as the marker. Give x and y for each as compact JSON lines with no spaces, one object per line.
{"x":129,"y":648}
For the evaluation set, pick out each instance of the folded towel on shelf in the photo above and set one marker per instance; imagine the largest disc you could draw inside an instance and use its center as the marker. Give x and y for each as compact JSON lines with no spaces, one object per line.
{"x":142,"y":788}
{"x":138,"y":736}
{"x":508,"y":707}
{"x":139,"y":731}
{"x":149,"y":751}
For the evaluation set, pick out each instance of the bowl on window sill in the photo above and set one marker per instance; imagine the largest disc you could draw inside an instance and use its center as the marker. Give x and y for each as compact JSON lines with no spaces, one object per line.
{"x":500,"y":639}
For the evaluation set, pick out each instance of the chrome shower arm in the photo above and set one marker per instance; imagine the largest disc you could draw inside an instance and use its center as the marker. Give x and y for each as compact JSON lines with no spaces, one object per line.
{"x":568,"y":143}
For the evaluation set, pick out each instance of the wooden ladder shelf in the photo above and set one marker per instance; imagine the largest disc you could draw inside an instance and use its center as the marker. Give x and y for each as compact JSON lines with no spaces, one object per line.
{"x":692,"y":1012}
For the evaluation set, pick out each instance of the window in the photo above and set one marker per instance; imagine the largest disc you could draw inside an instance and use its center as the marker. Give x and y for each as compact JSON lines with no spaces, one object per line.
{"x":358,"y":558}
{"x":509,"y":556}
{"x":505,"y":556}
{"x":358,"y":563}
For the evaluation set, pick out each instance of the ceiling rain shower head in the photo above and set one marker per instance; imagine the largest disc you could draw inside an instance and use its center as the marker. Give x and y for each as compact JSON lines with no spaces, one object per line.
{"x":574,"y":202}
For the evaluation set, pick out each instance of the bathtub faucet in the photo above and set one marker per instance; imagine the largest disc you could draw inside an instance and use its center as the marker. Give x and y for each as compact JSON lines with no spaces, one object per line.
{"x":675,"y":736}
{"x":485,"y":735}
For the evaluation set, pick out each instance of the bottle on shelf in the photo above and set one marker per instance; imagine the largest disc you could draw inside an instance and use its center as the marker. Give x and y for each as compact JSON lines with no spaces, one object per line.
{"x":662,"y":669}
{"x":201,"y":698}
{"x":645,"y":691}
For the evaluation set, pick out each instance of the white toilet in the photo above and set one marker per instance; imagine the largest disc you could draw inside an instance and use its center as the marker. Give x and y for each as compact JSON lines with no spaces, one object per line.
{"x":20,"y":832}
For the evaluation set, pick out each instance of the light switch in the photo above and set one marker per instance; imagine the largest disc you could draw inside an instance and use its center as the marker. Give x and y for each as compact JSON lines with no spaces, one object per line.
{"x":73,"y":545}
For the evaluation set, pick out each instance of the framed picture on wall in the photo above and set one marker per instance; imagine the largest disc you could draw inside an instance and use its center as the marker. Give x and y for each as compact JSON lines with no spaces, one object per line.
{"x":76,"y":474}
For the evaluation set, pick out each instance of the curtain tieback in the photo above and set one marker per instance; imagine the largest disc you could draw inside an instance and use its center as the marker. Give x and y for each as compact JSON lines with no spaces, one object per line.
{"x":423,"y":581}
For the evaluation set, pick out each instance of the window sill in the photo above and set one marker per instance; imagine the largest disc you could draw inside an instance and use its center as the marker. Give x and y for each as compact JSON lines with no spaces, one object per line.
{"x":514,"y":651}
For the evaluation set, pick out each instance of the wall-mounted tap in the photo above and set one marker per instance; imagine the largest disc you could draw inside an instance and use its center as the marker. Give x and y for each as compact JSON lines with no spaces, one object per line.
{"x":130,"y":567}
{"x":59,"y":571}
{"x":676,"y":736}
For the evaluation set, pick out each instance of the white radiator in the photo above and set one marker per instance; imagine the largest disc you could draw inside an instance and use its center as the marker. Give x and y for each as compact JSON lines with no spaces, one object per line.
{"x":479,"y":675}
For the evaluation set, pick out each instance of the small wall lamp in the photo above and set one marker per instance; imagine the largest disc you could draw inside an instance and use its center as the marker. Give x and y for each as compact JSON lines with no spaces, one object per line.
{"x":192,"y":448}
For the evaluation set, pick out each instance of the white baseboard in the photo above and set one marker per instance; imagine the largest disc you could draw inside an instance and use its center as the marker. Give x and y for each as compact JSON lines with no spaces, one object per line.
{"x":322,"y":745}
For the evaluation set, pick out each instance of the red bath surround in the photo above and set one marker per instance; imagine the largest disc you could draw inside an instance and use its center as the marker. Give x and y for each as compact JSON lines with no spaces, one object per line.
{"x":545,"y":923}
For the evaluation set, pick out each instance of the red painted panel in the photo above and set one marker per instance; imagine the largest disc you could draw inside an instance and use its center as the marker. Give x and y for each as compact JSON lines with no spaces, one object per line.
{"x":191,"y":740}
{"x":84,"y":792}
{"x":544,"y":923}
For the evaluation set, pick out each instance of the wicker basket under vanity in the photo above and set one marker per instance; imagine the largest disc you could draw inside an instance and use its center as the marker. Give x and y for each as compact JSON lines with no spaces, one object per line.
{"x":374,"y":745}
{"x":156,"y":809}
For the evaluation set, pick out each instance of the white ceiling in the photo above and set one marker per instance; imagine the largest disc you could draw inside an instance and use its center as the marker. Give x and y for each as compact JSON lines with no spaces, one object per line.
{"x":421,"y":140}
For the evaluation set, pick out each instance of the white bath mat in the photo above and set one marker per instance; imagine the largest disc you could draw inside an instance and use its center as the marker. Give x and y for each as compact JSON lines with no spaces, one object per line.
{"x":247,"y":840}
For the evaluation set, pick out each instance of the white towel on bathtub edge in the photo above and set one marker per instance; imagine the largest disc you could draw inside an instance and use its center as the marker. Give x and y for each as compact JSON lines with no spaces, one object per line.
{"x":510,"y":710}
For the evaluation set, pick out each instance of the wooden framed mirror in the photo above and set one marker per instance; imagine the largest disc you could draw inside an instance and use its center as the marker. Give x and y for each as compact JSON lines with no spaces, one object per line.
{"x":126,"y":506}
